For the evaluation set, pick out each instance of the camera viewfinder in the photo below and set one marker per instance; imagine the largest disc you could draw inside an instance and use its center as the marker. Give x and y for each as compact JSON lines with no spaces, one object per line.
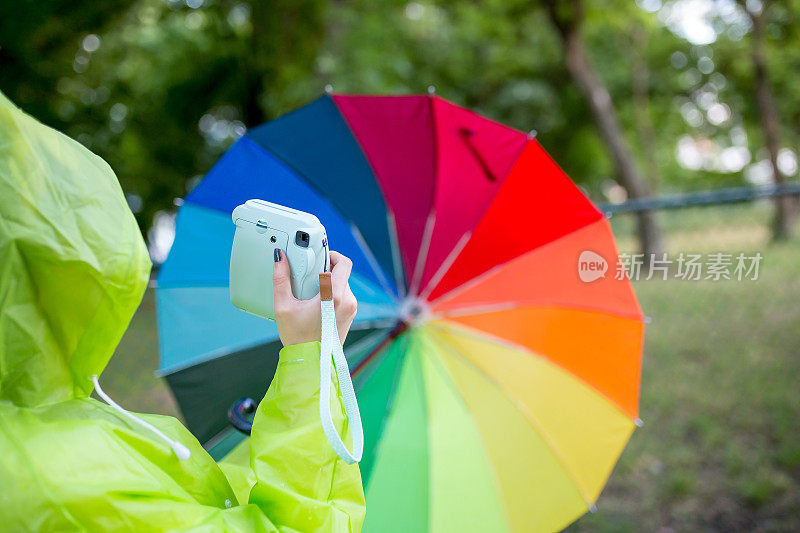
{"x":302,"y":239}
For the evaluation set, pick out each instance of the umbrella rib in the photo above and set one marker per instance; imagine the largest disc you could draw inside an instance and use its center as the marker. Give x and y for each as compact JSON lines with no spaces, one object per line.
{"x":461,"y":244}
{"x":397,"y":261}
{"x":368,"y":340}
{"x":532,"y":420}
{"x":353,"y":228}
{"x":373,"y":263}
{"x":212,"y":355}
{"x":218,"y":437}
{"x":373,"y":452}
{"x":488,"y":337}
{"x":481,"y":309}
{"x":427,"y":235}
{"x":398,"y":329}
{"x":230,"y":350}
{"x":488,"y":273}
{"x":422,"y":254}
{"x":378,"y":323}
{"x":446,"y":264}
{"x":458,"y":394}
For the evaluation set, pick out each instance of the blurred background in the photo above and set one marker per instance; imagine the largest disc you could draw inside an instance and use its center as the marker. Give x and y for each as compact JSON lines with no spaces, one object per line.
{"x":634,"y":99}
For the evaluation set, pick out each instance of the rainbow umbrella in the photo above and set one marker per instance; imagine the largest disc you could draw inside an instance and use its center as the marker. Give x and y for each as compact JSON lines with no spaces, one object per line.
{"x":495,"y":354}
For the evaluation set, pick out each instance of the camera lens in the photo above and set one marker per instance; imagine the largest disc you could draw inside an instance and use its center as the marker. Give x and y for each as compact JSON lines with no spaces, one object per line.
{"x":273,"y":239}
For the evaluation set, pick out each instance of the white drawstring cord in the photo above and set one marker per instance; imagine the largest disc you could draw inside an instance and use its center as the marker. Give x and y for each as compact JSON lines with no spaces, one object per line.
{"x":181,"y":451}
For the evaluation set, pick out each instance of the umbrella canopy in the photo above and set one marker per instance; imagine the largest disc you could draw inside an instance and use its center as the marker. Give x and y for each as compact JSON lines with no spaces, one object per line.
{"x":497,"y":385}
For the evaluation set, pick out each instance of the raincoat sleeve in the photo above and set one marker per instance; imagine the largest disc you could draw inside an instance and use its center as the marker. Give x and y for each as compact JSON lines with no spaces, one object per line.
{"x":301,"y":484}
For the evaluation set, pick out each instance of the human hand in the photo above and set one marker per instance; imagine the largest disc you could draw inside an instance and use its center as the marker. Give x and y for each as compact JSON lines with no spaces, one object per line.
{"x":299,"y":320}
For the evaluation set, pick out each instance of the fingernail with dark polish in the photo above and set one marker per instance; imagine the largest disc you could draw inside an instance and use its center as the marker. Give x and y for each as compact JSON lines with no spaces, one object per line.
{"x":277,"y":255}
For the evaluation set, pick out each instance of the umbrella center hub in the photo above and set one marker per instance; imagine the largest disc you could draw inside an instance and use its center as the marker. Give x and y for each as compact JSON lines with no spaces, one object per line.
{"x":413,"y":311}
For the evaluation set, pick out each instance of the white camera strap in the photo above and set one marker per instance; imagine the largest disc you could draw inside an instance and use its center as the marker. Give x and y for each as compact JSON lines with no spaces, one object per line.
{"x":331,"y":347}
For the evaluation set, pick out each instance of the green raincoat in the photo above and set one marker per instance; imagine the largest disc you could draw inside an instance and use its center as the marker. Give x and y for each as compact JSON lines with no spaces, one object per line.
{"x":73,"y":268}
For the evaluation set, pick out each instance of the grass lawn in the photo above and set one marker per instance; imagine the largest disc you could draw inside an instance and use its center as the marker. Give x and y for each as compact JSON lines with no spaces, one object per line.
{"x":130,"y":375}
{"x":720,"y":445}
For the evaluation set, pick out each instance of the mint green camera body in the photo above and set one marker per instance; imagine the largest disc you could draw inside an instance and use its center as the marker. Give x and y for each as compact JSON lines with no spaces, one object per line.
{"x":260,"y":228}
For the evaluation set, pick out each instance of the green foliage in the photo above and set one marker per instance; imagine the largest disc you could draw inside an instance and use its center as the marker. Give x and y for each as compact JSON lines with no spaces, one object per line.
{"x":732,"y":55}
{"x":161,"y":87}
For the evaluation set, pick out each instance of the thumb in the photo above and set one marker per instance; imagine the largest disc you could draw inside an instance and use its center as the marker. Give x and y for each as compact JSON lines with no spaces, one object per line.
{"x":281,"y":281}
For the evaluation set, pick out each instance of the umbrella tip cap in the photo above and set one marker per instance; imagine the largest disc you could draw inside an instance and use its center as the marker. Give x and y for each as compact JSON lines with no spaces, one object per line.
{"x":329,"y":88}
{"x":431,"y":90}
{"x":639,"y":422}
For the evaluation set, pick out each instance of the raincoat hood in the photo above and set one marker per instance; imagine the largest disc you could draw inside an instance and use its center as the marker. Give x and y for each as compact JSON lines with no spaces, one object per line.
{"x":73,"y":268}
{"x":73,"y":265}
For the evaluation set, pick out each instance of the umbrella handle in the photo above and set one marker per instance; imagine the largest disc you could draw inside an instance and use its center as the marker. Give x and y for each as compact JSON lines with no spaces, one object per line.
{"x":237,"y":412}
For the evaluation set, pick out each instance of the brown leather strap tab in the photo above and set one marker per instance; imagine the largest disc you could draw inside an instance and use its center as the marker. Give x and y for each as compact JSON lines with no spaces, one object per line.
{"x":325,"y":286}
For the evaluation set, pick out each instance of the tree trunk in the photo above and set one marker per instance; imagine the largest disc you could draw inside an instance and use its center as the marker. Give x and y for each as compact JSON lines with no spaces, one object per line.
{"x":253,"y":112}
{"x":599,"y":101}
{"x":783,"y":222}
{"x":641,"y":107}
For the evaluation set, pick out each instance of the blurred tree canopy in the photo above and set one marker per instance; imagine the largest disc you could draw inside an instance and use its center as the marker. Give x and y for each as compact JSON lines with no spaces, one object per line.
{"x":160,"y":88}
